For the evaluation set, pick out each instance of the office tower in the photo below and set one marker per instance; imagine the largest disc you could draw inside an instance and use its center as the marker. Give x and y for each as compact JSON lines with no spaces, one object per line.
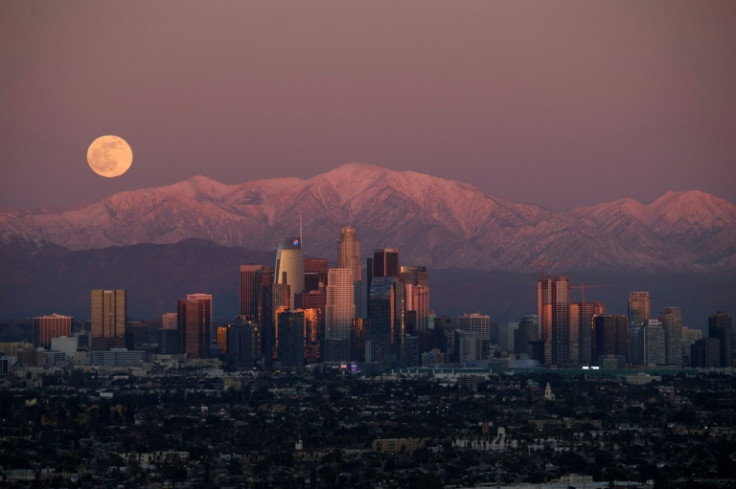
{"x":671,"y":319}
{"x":706,"y":353}
{"x":289,"y":267}
{"x":290,"y":346}
{"x":654,"y":343}
{"x":581,"y":331}
{"x":313,"y":334}
{"x":250,"y":285}
{"x":348,"y":256}
{"x":243,"y":344}
{"x":108,"y":318}
{"x":274,"y":299}
{"x":416,"y":288}
{"x":339,"y":312}
{"x":45,"y":328}
{"x":636,"y":344}
{"x":385,"y":321}
{"x":386,"y":262}
{"x":480,"y":325}
{"x":168,"y":320}
{"x":611,"y":336}
{"x":221,"y":338}
{"x":315,"y":273}
{"x":358,"y":337}
{"x":720,"y":326}
{"x":506,"y":335}
{"x":640,"y":307}
{"x":466,"y":346}
{"x":528,"y":330}
{"x":553,"y":300}
{"x":194,"y":317}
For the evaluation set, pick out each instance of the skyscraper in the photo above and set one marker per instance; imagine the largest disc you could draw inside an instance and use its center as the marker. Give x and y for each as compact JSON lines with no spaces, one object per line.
{"x":289,"y":267}
{"x":339,"y":310}
{"x":348,"y":256}
{"x":386,"y":262}
{"x":315,"y":273}
{"x":47,"y":327}
{"x":416,"y":285}
{"x":480,"y":325}
{"x":249,"y":290}
{"x":291,"y":328}
{"x":611,"y":336}
{"x":719,"y":326}
{"x":671,"y":319}
{"x":553,"y":300}
{"x":108,"y":318}
{"x":654,"y":343}
{"x":385,"y":323}
{"x":194,"y":318}
{"x":640,"y":307}
{"x":581,"y":331}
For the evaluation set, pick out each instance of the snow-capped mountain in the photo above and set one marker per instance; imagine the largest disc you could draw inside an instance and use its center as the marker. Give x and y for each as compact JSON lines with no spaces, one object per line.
{"x":435,"y":222}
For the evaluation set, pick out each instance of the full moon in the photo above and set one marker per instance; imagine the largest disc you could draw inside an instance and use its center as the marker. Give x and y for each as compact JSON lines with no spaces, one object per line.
{"x":109,"y":156}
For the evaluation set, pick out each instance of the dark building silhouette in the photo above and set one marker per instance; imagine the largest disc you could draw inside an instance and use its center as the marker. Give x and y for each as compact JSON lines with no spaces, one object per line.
{"x":611,"y":335}
{"x":720,"y":326}
{"x":706,"y":353}
{"x":291,"y":326}
{"x":244,"y":344}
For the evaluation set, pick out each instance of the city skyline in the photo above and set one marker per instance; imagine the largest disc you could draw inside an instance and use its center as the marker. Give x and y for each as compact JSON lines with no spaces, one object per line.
{"x":508,"y":96}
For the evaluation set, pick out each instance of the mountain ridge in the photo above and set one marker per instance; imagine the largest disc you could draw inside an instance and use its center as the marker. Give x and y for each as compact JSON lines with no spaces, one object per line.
{"x":433,"y":221}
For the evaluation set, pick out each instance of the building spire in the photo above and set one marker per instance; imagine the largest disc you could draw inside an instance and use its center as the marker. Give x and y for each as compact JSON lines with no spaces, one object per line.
{"x":300,"y":226}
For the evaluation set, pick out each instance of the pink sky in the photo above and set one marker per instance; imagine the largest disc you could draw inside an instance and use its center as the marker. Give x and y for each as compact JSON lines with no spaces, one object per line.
{"x":557,"y":103}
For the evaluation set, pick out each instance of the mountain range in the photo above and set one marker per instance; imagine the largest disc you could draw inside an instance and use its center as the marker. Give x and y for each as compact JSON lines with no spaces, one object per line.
{"x":435,"y":222}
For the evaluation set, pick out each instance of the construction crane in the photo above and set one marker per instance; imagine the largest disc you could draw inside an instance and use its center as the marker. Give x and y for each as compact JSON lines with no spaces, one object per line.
{"x":544,"y":264}
{"x":584,"y":286}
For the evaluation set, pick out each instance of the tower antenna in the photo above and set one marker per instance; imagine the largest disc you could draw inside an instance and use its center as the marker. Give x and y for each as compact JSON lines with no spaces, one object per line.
{"x":300,"y":226}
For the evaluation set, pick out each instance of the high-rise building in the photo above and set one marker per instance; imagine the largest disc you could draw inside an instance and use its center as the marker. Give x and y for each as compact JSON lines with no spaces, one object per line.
{"x":706,"y":353}
{"x":640,"y":307}
{"x":289,"y":267}
{"x":611,"y":335}
{"x":581,"y":331}
{"x":671,"y":319}
{"x":315,"y":273}
{"x":243,"y":344}
{"x":720,"y":326}
{"x":636,"y":344}
{"x":527,"y":331}
{"x":348,"y":256}
{"x":385,"y":305}
{"x":480,"y":325}
{"x":250,"y":287}
{"x":339,"y":310}
{"x":416,"y":286}
{"x":386,"y":262}
{"x":553,"y":300}
{"x":654,"y":343}
{"x":313,"y":334}
{"x":466,"y":346}
{"x":109,"y":311}
{"x":194,"y":318}
{"x":45,"y":328}
{"x":291,"y":326}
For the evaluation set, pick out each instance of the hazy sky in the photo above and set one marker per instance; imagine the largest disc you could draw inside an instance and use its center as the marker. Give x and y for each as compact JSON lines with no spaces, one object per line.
{"x":557,"y":103}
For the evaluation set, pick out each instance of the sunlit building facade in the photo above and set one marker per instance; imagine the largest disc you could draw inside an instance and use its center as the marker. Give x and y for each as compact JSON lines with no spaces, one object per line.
{"x":45,"y":328}
{"x":289,"y":267}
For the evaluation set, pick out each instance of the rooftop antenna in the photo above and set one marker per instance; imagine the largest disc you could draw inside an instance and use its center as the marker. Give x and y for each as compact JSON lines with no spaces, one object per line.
{"x":300,"y":225}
